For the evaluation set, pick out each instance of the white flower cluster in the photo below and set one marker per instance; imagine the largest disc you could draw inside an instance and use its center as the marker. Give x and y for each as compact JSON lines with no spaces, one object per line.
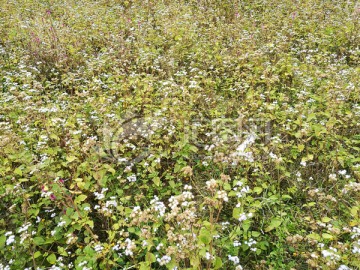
{"x":356,"y":245}
{"x":71,"y":238}
{"x":98,"y":248}
{"x":222,"y":195}
{"x":25,"y":227}
{"x":209,"y":257}
{"x":130,"y":246}
{"x":131,"y":178}
{"x":244,"y":216}
{"x":158,"y":206}
{"x":101,"y":195}
{"x":183,"y":200}
{"x":242,"y":192}
{"x":250,"y":243}
{"x":10,"y":238}
{"x":211,"y":184}
{"x":331,"y":253}
{"x":343,"y":267}
{"x":164,"y":260}
{"x":234,"y":259}
{"x":4,"y":267}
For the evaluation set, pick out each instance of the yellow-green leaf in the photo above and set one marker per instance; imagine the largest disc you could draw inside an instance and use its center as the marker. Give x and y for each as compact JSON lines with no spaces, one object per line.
{"x":51,"y":258}
{"x":274,"y":223}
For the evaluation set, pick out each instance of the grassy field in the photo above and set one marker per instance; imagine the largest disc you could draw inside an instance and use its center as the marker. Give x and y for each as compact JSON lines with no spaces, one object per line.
{"x":214,"y":134}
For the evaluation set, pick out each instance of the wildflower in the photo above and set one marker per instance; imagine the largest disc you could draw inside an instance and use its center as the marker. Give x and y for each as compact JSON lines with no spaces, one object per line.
{"x":111,"y":203}
{"x":99,"y":196}
{"x":234,"y":259}
{"x":82,"y":263}
{"x":164,"y":260}
{"x":188,"y":187}
{"x":343,"y":267}
{"x":211,"y":184}
{"x":222,"y":195}
{"x":130,"y":246}
{"x":236,"y":243}
{"x":159,"y":246}
{"x":272,"y":155}
{"x":131,"y":178}
{"x":98,"y":248}
{"x":343,"y":172}
{"x":10,"y":239}
{"x":208,"y":256}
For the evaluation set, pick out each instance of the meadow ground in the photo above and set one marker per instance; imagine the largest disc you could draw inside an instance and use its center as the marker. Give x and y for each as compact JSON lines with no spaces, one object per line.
{"x":179,"y":134}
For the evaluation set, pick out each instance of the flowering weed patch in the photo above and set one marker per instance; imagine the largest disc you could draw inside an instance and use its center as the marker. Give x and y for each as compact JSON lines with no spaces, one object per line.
{"x":179,"y":134}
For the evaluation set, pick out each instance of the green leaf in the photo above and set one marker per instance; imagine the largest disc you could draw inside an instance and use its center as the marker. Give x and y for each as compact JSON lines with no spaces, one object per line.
{"x":327,"y":236}
{"x":227,"y":186}
{"x":144,"y":266}
{"x":314,"y":236}
{"x":301,"y":147}
{"x":80,"y":198}
{"x":156,"y":181}
{"x":2,"y":241}
{"x":150,"y":257}
{"x":205,"y":236}
{"x":218,"y":263}
{"x":274,"y":223}
{"x":37,"y":254}
{"x":51,"y":258}
{"x":246,"y":225}
{"x":18,"y":171}
{"x":39,"y":240}
{"x":236,"y":212}
{"x":326,"y":219}
{"x":258,"y":190}
{"x":70,"y":158}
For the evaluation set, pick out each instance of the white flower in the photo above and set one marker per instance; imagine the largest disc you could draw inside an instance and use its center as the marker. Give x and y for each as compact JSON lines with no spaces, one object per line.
{"x":99,"y":196}
{"x":343,"y":267}
{"x":234,"y":259}
{"x":82,"y":263}
{"x":164,"y":260}
{"x":131,"y":178}
{"x":10,"y":239}
{"x":188,"y":187}
{"x":211,"y":184}
{"x":159,"y":246}
{"x":343,"y":172}
{"x":111,"y":203}
{"x":98,"y":248}
{"x":272,"y":155}
{"x":222,"y":195}
{"x":208,"y":256}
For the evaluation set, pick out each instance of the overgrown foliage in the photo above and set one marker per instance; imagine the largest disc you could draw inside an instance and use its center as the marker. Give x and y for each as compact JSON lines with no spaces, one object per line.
{"x":180,"y":134}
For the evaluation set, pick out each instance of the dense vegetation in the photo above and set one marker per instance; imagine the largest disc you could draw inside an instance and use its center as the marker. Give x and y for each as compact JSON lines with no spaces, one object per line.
{"x":180,"y":134}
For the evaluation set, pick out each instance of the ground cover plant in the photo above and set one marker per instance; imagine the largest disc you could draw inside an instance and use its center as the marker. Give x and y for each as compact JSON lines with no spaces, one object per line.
{"x":179,"y":134}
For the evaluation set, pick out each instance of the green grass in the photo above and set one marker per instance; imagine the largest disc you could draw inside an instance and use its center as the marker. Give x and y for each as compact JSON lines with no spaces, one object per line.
{"x":179,"y":134}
